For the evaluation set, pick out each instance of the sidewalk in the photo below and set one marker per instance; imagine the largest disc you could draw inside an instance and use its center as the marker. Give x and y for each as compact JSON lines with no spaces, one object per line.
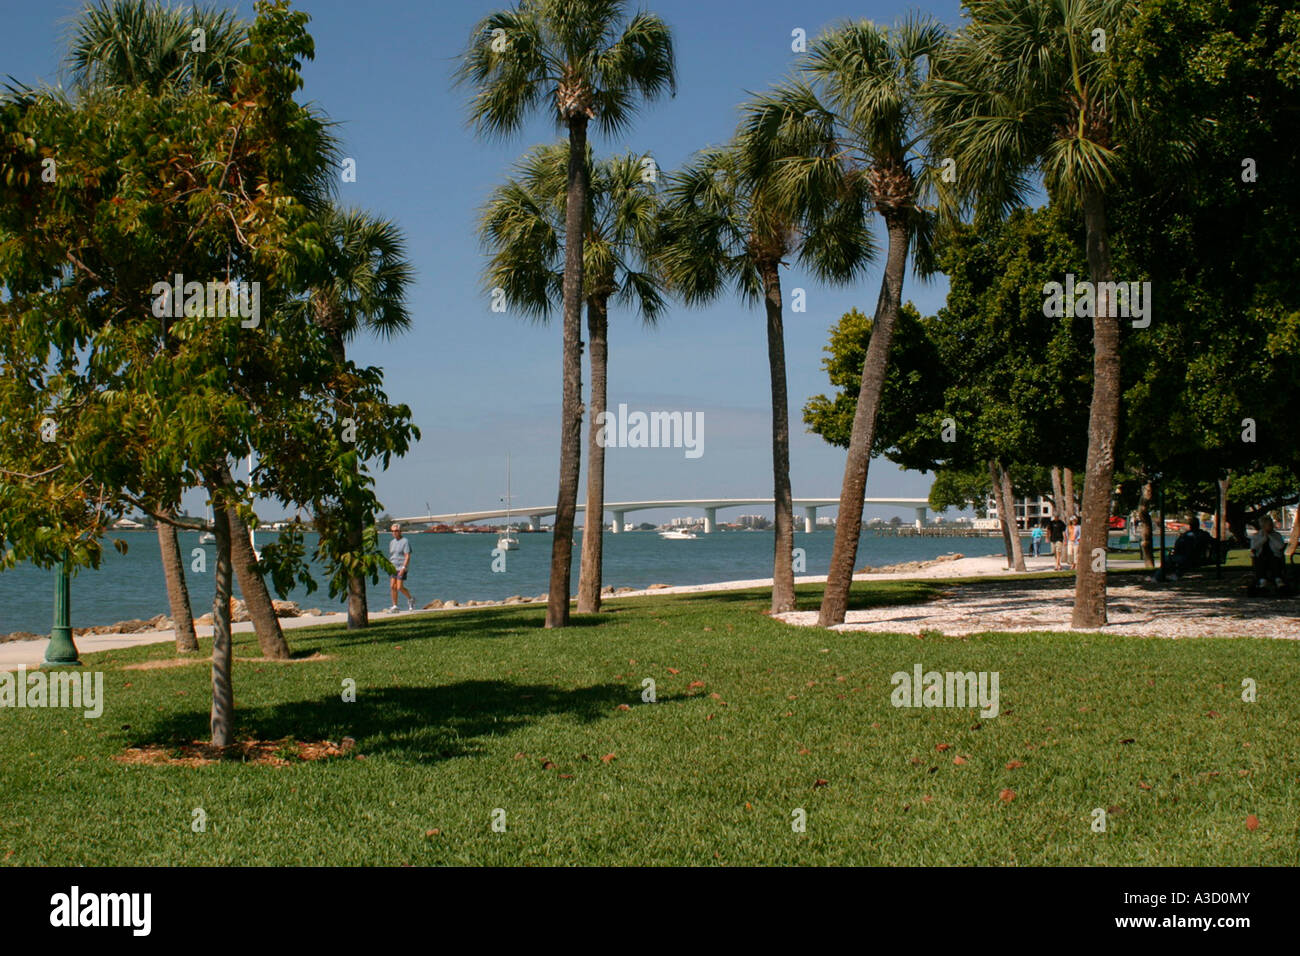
{"x":15,"y":654}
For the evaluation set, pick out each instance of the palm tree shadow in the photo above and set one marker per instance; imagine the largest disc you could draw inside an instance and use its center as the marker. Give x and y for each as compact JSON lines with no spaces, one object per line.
{"x":418,"y":724}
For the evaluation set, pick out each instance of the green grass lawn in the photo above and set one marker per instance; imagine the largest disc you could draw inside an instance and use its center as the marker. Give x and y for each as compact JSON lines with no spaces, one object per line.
{"x":458,"y":714}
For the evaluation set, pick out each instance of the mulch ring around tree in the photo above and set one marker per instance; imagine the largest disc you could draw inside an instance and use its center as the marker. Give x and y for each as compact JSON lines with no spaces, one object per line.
{"x":275,"y":753}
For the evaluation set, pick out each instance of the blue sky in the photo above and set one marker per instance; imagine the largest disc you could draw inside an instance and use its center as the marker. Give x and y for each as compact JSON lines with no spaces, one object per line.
{"x":480,"y":382}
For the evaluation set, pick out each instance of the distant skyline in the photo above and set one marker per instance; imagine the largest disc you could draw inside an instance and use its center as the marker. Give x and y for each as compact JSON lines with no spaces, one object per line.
{"x":482,"y":383}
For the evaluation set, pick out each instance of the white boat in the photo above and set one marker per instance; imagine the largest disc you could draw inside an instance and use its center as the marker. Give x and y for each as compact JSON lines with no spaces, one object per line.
{"x":508,"y":541}
{"x":678,"y":535}
{"x":207,"y":537}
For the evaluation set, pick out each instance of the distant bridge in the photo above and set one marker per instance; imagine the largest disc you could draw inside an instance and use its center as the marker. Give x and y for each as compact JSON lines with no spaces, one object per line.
{"x":710,"y":506}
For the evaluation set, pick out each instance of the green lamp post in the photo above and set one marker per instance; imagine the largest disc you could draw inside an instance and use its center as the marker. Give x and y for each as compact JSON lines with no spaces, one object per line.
{"x":61,"y":652}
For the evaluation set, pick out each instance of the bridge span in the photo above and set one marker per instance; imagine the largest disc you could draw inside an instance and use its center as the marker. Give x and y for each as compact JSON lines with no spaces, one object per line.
{"x":710,"y":506}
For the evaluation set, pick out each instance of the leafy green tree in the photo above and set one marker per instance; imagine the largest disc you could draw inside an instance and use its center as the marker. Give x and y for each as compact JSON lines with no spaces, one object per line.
{"x":523,"y":226}
{"x":1214,"y":231}
{"x":151,"y":398}
{"x":588,"y":61}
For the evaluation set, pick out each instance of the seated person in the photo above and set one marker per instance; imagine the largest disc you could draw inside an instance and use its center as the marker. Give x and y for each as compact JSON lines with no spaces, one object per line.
{"x":1267,"y":548}
{"x":1192,"y":549}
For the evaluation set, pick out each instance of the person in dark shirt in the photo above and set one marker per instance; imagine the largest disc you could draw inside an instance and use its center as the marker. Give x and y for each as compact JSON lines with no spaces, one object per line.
{"x":1192,"y":549}
{"x":1267,"y":548}
{"x":1056,"y":533}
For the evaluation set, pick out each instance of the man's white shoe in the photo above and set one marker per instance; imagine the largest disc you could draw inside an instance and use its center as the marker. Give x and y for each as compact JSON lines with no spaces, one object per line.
{"x":392,"y":609}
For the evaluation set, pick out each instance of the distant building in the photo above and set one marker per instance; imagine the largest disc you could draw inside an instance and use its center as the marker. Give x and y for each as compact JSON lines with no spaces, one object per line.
{"x":1029,"y":510}
{"x":757,"y":522}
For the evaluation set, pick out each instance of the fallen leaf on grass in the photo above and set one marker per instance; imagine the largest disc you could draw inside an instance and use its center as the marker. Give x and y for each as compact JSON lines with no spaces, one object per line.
{"x":624,"y":707}
{"x":1014,"y":764}
{"x":1252,"y":822}
{"x":1143,"y":785}
{"x":1211,"y":713}
{"x":942,"y":747}
{"x":673,"y":670}
{"x":434,"y":832}
{"x":547,"y":765}
{"x":959,"y":760}
{"x":804,"y":751}
{"x":820,"y":783}
{"x":607,"y":758}
{"x":1006,"y":796}
{"x":927,"y":799}
{"x":694,"y":684}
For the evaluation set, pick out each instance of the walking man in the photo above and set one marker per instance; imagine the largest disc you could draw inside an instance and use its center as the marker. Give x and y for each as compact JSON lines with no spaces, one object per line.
{"x":399,"y":552}
{"x":1056,"y":533}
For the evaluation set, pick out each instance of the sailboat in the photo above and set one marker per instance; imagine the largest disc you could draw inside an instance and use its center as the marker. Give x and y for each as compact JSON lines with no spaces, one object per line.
{"x":508,"y":541}
{"x":207,"y":537}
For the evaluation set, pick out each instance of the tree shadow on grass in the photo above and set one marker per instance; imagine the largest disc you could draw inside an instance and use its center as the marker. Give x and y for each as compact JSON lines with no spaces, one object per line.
{"x":418,"y":724}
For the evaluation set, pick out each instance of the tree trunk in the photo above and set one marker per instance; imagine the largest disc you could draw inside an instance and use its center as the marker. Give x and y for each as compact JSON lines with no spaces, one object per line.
{"x":1293,"y":541}
{"x":1144,"y":522}
{"x":566,"y":503}
{"x":1103,"y":425}
{"x":358,"y":608}
{"x":783,"y":504}
{"x":1009,"y":520}
{"x":848,"y":524}
{"x":1058,"y":495}
{"x":223,"y":697}
{"x":1001,"y":504}
{"x":593,"y":531}
{"x":178,"y":592}
{"x":354,"y":524}
{"x":1224,"y":483}
{"x":1069,"y":495}
{"x":257,"y":599}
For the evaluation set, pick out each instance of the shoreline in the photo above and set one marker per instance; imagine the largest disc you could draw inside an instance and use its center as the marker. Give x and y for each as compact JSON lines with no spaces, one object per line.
{"x":31,"y":652}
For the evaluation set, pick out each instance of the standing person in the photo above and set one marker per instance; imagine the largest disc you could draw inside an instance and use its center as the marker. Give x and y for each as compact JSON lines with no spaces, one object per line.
{"x":1073,"y":537}
{"x":1266,"y":556}
{"x":399,"y":552}
{"x":1056,"y":535}
{"x":1037,"y":536}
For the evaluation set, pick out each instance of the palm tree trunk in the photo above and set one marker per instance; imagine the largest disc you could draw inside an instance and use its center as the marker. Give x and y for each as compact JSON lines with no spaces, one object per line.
{"x":848,"y":524}
{"x":223,"y":698}
{"x":1293,"y":541}
{"x":1009,"y":524}
{"x":566,"y":504}
{"x":1224,"y":483}
{"x":783,"y":598}
{"x":1069,"y":494}
{"x":1103,"y":425}
{"x":593,"y":530}
{"x":1058,"y":495}
{"x":253,"y":586}
{"x":1144,"y":522}
{"x":1001,"y":503}
{"x":178,"y":592}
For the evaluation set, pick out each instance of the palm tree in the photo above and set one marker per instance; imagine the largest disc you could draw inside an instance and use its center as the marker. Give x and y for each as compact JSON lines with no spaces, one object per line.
{"x":857,"y":109}
{"x":588,"y":61}
{"x":730,"y":224}
{"x":523,"y":223}
{"x":1030,"y":86}
{"x":363,"y":286}
{"x":143,"y":43}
